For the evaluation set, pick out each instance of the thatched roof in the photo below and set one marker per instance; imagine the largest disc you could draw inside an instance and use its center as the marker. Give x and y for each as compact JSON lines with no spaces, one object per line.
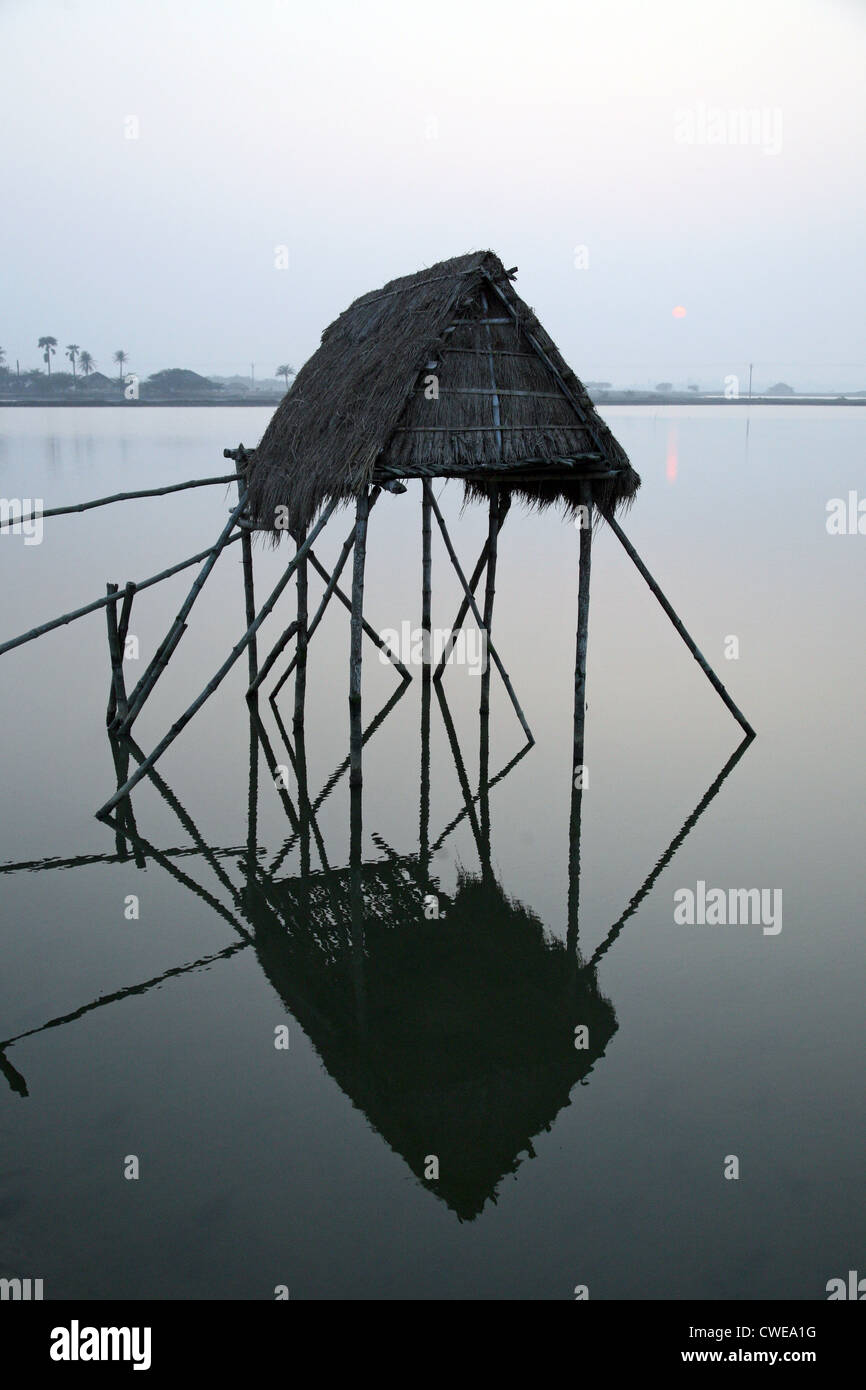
{"x":503,"y":406}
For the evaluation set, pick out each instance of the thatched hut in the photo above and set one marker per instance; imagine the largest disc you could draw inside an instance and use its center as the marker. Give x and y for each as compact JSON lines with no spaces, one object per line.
{"x":443,"y":374}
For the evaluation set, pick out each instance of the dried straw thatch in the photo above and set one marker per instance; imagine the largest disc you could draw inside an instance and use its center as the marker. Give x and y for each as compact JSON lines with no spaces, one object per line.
{"x":442,"y":374}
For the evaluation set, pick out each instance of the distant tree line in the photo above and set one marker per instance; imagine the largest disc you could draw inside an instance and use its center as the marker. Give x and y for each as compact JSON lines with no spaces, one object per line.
{"x":84,"y":376}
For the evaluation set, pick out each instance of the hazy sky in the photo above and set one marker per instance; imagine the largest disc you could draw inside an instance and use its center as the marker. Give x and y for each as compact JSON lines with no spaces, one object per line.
{"x":371,"y":139}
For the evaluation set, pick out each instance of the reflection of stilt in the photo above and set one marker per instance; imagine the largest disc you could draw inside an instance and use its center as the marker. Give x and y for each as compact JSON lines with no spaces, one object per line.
{"x":305,"y":809}
{"x":468,"y":798}
{"x":688,"y":825}
{"x":577,"y":765}
{"x":343,"y":768}
{"x":252,"y":805}
{"x":120,"y":749}
{"x":356,"y":905}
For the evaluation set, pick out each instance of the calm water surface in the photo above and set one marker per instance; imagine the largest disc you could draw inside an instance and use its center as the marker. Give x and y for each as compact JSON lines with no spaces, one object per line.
{"x":558,"y":1166}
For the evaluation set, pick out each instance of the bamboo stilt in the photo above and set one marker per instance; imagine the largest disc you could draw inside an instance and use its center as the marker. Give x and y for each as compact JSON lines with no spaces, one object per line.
{"x":491,"y":650}
{"x":699,"y":658}
{"x":490,"y":591}
{"x":505,"y":503}
{"x":365,"y":626}
{"x":577,"y":762}
{"x":426,"y":673}
{"x":362,"y":512}
{"x":301,"y":587}
{"x":157,"y":665}
{"x":125,"y":615}
{"x":117,"y":695}
{"x":326,"y":598}
{"x":223,"y":671}
{"x":484,"y":702}
{"x":273,"y":655}
{"x":247,"y":563}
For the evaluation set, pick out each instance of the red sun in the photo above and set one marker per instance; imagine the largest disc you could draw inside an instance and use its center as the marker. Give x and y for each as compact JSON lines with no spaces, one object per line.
{"x":679,"y":312}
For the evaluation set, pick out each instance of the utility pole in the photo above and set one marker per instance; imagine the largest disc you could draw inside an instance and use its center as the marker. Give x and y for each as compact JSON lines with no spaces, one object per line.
{"x":252,"y":376}
{"x":750,"y":381}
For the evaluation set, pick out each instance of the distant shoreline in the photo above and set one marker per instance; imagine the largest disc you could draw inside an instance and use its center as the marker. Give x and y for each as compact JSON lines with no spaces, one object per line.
{"x":643,"y":398}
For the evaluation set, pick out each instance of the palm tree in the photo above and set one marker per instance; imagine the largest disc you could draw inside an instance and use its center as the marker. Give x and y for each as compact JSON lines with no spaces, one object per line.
{"x":120,"y":357}
{"x":285,"y":371}
{"x":2,"y":356}
{"x":48,"y":345}
{"x":72,"y":351}
{"x":87,"y":363}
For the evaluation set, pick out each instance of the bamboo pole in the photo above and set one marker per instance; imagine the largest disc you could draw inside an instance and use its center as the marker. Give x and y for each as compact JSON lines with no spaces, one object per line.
{"x":491,"y":650}
{"x":108,"y":598}
{"x":484,"y":702}
{"x":117,"y":695}
{"x":302,"y":591}
{"x":577,"y":761}
{"x":247,"y":563}
{"x":490,"y":591}
{"x":473,"y":584}
{"x":223,"y":671}
{"x":317,"y":618}
{"x":160,"y":661}
{"x":426,"y":673}
{"x":426,"y":563}
{"x":165,"y":649}
{"x":699,"y":658}
{"x":362,"y":511}
{"x":365,"y":626}
{"x":125,"y":614}
{"x":278,"y":647}
{"x":118,"y":497}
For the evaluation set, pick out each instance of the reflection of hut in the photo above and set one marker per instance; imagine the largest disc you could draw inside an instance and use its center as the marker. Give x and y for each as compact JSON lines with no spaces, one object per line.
{"x":455,"y":1035}
{"x":443,"y":374}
